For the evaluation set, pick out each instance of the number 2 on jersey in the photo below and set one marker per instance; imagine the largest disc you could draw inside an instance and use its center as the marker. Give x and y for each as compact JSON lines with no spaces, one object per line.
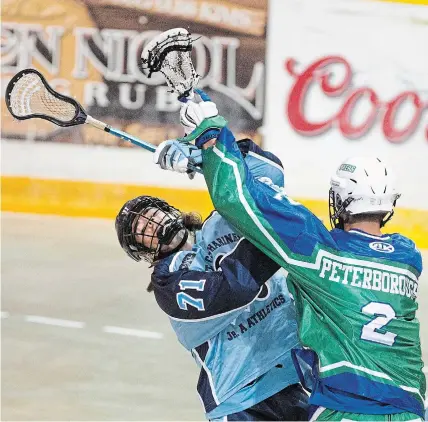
{"x":371,"y":331}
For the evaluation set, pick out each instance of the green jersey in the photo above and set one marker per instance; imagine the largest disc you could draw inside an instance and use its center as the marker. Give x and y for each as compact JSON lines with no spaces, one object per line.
{"x":355,"y":293}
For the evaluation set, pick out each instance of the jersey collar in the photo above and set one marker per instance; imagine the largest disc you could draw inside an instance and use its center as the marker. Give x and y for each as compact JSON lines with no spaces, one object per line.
{"x":370,"y":236}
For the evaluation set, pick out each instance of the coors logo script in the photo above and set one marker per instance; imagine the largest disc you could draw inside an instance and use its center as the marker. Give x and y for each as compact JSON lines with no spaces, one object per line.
{"x":320,"y":73}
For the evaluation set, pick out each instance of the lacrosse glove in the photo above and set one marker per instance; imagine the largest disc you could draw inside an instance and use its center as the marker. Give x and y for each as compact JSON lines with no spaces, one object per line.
{"x":201,"y":121}
{"x":192,"y":114}
{"x":176,"y":156}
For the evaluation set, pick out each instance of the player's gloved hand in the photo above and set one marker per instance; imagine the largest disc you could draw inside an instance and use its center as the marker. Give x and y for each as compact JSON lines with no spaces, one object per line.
{"x":192,"y":114}
{"x":200,"y":120}
{"x":176,"y":156}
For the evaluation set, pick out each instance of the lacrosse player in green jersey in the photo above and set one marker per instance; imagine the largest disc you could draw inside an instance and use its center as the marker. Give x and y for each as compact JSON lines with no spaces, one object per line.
{"x":355,"y":288}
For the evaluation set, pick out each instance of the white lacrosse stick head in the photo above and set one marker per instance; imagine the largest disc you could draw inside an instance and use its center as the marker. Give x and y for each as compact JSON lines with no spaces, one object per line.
{"x":170,"y":54}
{"x":28,"y":96}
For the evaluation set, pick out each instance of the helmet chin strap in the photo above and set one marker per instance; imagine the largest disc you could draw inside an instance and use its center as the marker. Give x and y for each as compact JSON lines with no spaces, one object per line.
{"x":387,"y":218}
{"x":390,"y":214}
{"x":163,"y":255}
{"x":182,"y":243}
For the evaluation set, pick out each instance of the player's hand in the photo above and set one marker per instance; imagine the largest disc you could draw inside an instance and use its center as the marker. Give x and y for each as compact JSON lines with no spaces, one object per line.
{"x":201,"y":119}
{"x":193,"y":114}
{"x":176,"y":156}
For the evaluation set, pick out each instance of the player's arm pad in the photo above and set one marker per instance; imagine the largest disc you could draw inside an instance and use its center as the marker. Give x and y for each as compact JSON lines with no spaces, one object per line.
{"x":248,"y":146}
{"x":188,"y":294}
{"x":262,"y":163}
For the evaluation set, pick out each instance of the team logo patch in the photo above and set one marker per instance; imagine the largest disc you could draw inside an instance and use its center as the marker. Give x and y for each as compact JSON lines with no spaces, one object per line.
{"x":382,"y":247}
{"x":347,"y":167}
{"x":187,"y":260}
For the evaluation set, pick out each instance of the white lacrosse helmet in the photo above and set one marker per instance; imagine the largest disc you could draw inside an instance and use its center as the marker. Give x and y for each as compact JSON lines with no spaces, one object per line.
{"x":362,"y":185}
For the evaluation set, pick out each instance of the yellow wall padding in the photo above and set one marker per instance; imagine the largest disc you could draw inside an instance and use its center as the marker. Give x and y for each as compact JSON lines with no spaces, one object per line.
{"x":104,"y":200}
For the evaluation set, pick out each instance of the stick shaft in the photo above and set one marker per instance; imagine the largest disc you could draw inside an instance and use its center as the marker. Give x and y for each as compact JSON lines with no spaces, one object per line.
{"x":127,"y":137}
{"x":120,"y":134}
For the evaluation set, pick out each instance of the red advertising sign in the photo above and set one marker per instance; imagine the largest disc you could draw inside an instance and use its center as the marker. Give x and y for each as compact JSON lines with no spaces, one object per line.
{"x":383,"y":112}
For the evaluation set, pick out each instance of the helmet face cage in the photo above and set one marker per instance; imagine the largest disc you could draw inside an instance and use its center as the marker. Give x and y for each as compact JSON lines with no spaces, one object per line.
{"x":334,"y":219}
{"x":336,"y":208}
{"x":164,"y":221}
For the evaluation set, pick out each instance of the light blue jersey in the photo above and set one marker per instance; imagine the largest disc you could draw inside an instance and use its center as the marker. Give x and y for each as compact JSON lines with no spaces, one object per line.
{"x":242,"y":341}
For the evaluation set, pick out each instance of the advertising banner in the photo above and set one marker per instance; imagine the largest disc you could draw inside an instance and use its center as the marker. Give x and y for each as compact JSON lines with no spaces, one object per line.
{"x":348,"y":78}
{"x":90,"y":49}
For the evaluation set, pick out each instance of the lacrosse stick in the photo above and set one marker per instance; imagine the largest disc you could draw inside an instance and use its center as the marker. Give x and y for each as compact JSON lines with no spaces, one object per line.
{"x":170,"y":54}
{"x":29,"y":96}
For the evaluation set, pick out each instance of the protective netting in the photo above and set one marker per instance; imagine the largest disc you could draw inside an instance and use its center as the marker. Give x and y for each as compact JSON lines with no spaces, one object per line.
{"x":30,"y":96}
{"x":179,"y":73}
{"x":170,"y":53}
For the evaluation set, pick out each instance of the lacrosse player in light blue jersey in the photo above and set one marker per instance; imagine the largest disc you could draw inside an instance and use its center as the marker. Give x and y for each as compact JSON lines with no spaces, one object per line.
{"x":242,"y":341}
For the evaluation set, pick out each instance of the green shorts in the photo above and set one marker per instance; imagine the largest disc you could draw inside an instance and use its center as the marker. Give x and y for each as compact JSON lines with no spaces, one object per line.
{"x":323,"y":414}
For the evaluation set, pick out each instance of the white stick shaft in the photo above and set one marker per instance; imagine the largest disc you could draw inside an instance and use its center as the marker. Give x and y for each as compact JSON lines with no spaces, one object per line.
{"x":96,"y":123}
